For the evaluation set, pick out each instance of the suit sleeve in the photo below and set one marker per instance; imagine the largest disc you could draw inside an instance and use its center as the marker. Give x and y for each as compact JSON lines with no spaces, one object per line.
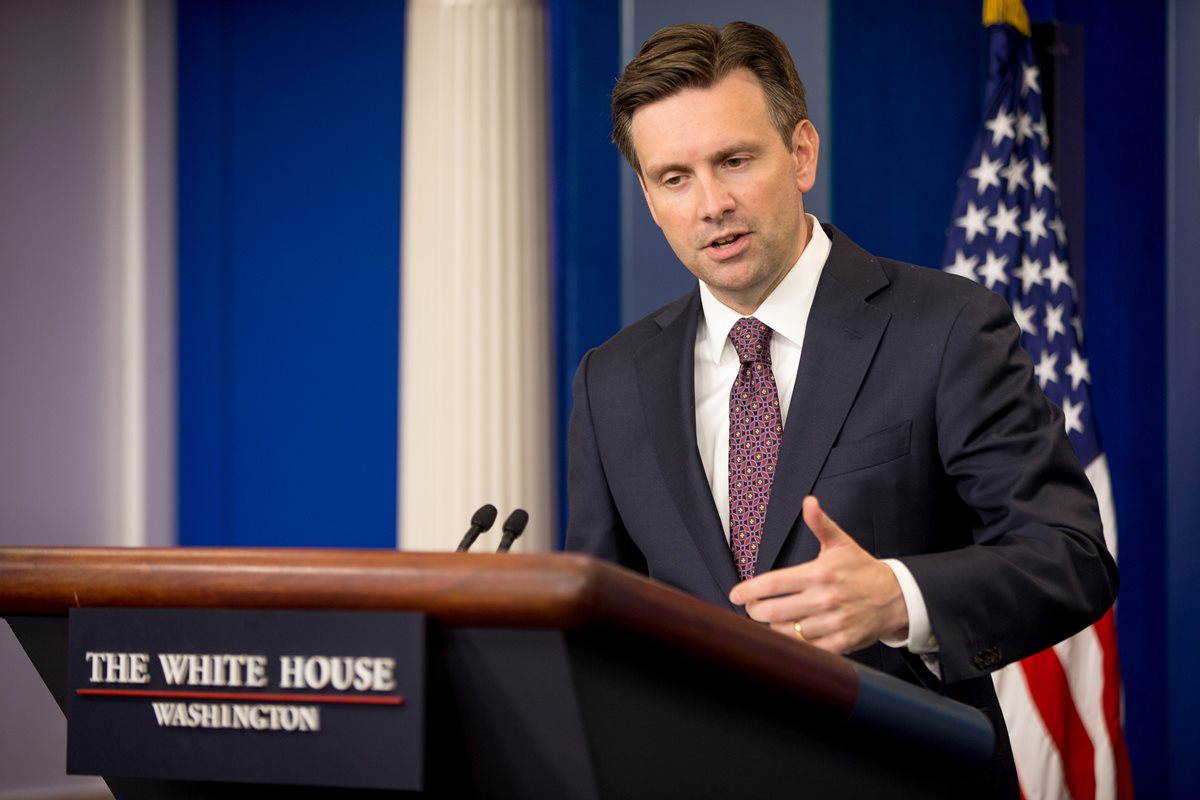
{"x":594,"y":526}
{"x":1037,"y":570}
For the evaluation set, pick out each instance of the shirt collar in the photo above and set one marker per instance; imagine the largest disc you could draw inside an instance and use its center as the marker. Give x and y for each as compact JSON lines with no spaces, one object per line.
{"x":785,"y":310}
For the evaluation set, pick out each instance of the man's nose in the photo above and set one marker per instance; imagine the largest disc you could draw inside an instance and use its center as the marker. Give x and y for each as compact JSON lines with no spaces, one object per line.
{"x":715,"y":199}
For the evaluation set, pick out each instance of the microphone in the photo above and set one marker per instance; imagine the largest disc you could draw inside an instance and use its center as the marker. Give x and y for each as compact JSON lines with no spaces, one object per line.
{"x":513,"y":526}
{"x":481,"y":520}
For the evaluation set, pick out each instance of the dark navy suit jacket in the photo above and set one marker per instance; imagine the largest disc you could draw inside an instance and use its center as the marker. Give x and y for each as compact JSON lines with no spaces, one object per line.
{"x":916,"y":421}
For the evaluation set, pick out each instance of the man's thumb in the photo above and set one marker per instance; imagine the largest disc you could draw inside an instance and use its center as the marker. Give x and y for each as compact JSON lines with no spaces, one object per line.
{"x":827,"y":531}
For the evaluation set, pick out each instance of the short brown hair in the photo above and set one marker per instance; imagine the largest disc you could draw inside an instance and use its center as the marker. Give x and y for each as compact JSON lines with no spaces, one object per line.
{"x":697,"y":56}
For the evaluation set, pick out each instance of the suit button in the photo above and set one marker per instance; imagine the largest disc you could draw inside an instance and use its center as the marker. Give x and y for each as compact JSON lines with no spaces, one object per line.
{"x":987,"y":658}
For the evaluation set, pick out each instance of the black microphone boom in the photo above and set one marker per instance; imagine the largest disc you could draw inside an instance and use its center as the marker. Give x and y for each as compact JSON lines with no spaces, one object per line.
{"x":513,"y":526}
{"x":481,"y":520}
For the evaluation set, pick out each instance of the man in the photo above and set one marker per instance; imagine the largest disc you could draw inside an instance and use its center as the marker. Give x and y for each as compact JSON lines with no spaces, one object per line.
{"x":849,"y":449}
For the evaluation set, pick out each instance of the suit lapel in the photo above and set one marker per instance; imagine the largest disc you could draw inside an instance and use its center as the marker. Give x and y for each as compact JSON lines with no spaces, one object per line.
{"x":840,"y":341}
{"x":666,"y":380}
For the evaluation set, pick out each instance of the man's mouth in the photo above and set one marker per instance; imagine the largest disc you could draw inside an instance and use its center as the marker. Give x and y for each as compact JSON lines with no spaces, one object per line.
{"x":725,"y":241}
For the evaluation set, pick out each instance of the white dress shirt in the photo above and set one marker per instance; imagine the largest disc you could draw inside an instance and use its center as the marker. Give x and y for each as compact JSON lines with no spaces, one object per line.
{"x":786,"y":312}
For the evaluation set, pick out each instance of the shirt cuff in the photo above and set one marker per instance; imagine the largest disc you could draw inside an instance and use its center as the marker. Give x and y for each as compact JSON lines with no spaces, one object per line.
{"x":920,"y":633}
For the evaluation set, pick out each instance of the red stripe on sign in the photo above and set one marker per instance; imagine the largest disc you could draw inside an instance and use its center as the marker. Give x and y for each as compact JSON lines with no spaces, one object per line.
{"x":1052,"y":695}
{"x":1106,"y":632}
{"x":354,"y":699}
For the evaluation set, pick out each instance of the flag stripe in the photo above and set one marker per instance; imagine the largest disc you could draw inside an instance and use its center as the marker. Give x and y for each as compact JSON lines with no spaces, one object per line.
{"x":1097,"y":473}
{"x":1039,"y":768}
{"x":1083,"y":662}
{"x":1106,"y":635}
{"x":1106,"y":632}
{"x":1052,"y":697}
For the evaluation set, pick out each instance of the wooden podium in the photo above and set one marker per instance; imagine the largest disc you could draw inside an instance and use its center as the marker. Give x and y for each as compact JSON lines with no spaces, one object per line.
{"x":554,"y":675}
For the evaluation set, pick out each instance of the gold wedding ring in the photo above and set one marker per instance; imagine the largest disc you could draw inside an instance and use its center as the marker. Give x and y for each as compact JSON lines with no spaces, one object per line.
{"x":798,"y":628}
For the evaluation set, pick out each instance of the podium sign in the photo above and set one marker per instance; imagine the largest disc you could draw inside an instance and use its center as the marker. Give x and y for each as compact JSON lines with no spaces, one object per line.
{"x":315,"y":698}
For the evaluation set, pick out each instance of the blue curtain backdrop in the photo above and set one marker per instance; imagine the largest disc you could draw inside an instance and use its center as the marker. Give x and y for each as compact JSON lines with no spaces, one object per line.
{"x":584,"y":59}
{"x":289,"y":211}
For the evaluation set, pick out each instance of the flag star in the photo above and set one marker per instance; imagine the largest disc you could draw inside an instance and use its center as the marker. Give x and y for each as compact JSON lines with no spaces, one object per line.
{"x":1077,"y":324}
{"x":1043,"y":131}
{"x":1072,"y":415}
{"x":1014,"y":173}
{"x":1057,"y":274}
{"x":973,"y":221}
{"x":1047,"y":369}
{"x":1004,"y":221}
{"x":1060,"y":231}
{"x":1054,"y":321}
{"x":1078,"y":370}
{"x":1035,"y":226}
{"x":1001,"y":127}
{"x":986,"y":174}
{"x":992,"y":270}
{"x":1024,"y":317}
{"x":1029,"y":79}
{"x":1024,"y":127}
{"x":1041,"y":177}
{"x":1030,"y":273}
{"x":963,"y":265}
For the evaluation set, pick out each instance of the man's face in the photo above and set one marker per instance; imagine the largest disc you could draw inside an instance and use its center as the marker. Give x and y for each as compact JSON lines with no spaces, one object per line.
{"x":725,"y":188}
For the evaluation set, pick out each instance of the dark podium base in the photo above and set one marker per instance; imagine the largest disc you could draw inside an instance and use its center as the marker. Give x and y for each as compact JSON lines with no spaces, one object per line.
{"x":599,"y":714}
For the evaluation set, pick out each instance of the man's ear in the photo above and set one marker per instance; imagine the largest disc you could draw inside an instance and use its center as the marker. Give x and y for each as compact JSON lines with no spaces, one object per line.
{"x":806,"y":146}
{"x":649,"y":203}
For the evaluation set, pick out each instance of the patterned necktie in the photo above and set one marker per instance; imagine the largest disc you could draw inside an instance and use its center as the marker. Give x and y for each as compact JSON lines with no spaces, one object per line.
{"x":755,"y":428}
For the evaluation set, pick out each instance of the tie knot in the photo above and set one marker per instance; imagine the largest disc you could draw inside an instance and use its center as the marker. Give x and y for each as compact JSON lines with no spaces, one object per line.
{"x":752,"y":340}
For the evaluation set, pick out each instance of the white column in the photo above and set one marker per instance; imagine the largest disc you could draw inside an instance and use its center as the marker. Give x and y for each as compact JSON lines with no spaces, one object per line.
{"x":131,"y":264}
{"x":475,"y":402}
{"x":145,"y":268}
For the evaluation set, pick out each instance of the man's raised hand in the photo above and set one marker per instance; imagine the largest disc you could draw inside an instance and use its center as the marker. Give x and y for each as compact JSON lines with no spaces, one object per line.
{"x":843,"y":600}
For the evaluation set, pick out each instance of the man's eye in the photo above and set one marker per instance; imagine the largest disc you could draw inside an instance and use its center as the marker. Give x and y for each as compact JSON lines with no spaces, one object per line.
{"x":735,"y":162}
{"x":673,"y":180}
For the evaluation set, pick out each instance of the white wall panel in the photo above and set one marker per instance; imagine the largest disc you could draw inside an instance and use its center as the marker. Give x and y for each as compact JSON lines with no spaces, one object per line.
{"x":86,"y":314}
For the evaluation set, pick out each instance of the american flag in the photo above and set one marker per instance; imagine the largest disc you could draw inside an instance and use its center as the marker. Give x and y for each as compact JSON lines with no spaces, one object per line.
{"x":1063,"y":705}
